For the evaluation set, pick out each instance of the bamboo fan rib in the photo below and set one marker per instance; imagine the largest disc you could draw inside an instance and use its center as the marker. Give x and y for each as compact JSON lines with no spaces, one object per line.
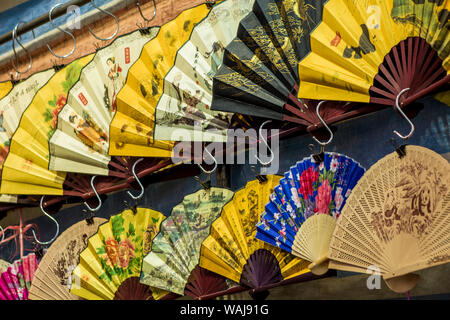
{"x":132,"y":127}
{"x":369,"y":51}
{"x":81,"y":140}
{"x":185,"y":104}
{"x":52,"y":280}
{"x":396,"y":219}
{"x":301,"y":214}
{"x":25,"y":170}
{"x":175,"y":251}
{"x":15,"y":281}
{"x":113,"y":257}
{"x":232,"y":250}
{"x":12,"y":107}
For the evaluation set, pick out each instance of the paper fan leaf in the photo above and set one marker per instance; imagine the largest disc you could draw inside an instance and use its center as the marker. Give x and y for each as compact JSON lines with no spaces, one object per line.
{"x":364,"y":52}
{"x":397,"y":216}
{"x":176,"y":249}
{"x":231,"y":247}
{"x":52,"y":280}
{"x":132,"y":127}
{"x":15,"y":282}
{"x":81,"y":140}
{"x":306,"y":192}
{"x":25,"y":170}
{"x":4,"y":265}
{"x":5,"y":88}
{"x":185,"y":105}
{"x":114,"y":254}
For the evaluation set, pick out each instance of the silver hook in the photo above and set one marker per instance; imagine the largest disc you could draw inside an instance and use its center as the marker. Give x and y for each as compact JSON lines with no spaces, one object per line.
{"x":272,"y":156}
{"x":404,"y":116}
{"x":137,"y":180}
{"x":110,"y":14}
{"x":53,"y":219}
{"x":215,"y":163}
{"x":142,"y":15}
{"x":323,"y":144}
{"x":15,"y":62}
{"x":60,"y":29}
{"x":3,"y":233}
{"x":98,"y":197}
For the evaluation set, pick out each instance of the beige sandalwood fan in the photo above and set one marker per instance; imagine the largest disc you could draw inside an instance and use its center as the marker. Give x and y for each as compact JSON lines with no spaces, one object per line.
{"x":397,"y":218}
{"x":52,"y":280}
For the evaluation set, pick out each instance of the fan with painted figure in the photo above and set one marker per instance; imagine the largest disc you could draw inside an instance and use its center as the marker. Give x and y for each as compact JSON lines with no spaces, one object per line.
{"x":232,"y":250}
{"x":396,"y":220}
{"x":109,"y":267}
{"x":132,"y":127}
{"x":80,"y":142}
{"x":370,"y":51}
{"x":52,"y":279}
{"x":12,"y":107}
{"x":185,"y":105}
{"x":173,"y":262}
{"x":15,"y":281}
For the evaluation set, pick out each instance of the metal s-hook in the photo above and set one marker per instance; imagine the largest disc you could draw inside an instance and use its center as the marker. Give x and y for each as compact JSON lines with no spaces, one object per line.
{"x":142,"y":15}
{"x":15,"y":61}
{"x":110,"y":14}
{"x":215,"y":163}
{"x":98,"y":198}
{"x":404,"y":116}
{"x":323,"y":144}
{"x":60,"y":29}
{"x":53,"y":219}
{"x":272,"y":155}
{"x":138,"y":181}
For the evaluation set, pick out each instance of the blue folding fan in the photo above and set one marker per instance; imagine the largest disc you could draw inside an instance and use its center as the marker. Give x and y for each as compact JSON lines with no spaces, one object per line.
{"x":301,"y":215}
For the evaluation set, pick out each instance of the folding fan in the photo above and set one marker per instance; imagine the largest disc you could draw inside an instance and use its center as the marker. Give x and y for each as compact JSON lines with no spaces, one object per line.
{"x":25,"y":170}
{"x":4,"y":265}
{"x":12,"y":107}
{"x":15,"y":282}
{"x":80,"y":142}
{"x":232,"y":250}
{"x":110,"y":265}
{"x":187,"y":95}
{"x":175,"y":251}
{"x":52,"y":280}
{"x":301,"y":214}
{"x":396,"y":219}
{"x":132,"y":127}
{"x":5,"y":88}
{"x":370,"y":51}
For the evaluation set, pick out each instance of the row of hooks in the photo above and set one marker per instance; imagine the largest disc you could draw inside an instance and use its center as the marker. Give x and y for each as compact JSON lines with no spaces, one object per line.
{"x":322,"y":144}
{"x":16,"y":38}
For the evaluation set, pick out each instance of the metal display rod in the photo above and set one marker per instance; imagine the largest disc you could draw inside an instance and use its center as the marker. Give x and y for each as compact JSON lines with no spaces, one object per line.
{"x":59,"y":11}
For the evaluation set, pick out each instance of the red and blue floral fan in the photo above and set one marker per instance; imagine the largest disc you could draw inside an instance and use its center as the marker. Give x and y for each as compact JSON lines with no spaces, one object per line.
{"x":301,"y":215}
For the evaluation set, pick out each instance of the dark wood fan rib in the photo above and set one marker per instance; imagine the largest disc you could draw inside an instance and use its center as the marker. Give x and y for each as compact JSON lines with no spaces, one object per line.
{"x":132,"y":289}
{"x":262,"y":269}
{"x":203,"y":282}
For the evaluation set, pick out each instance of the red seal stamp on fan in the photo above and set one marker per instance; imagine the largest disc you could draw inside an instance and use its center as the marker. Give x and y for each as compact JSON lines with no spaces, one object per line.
{"x":83,"y":99}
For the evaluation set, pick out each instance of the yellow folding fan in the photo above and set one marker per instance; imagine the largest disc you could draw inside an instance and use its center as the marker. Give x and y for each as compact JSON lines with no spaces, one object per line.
{"x":5,"y":88}
{"x":25,"y":170}
{"x":371,"y":51}
{"x":80,"y":142}
{"x":232,"y":250}
{"x":12,"y":107}
{"x":132,"y":127}
{"x":173,"y":260}
{"x":397,"y":219}
{"x":109,"y":267}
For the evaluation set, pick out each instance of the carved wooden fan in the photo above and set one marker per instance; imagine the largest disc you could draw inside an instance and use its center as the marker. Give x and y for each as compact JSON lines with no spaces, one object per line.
{"x":80,"y":142}
{"x":109,"y":267}
{"x":185,"y":104}
{"x":232,"y":250}
{"x":396,"y":219}
{"x":173,"y":262}
{"x":367,"y":51}
{"x":52,"y":279}
{"x":132,"y":127}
